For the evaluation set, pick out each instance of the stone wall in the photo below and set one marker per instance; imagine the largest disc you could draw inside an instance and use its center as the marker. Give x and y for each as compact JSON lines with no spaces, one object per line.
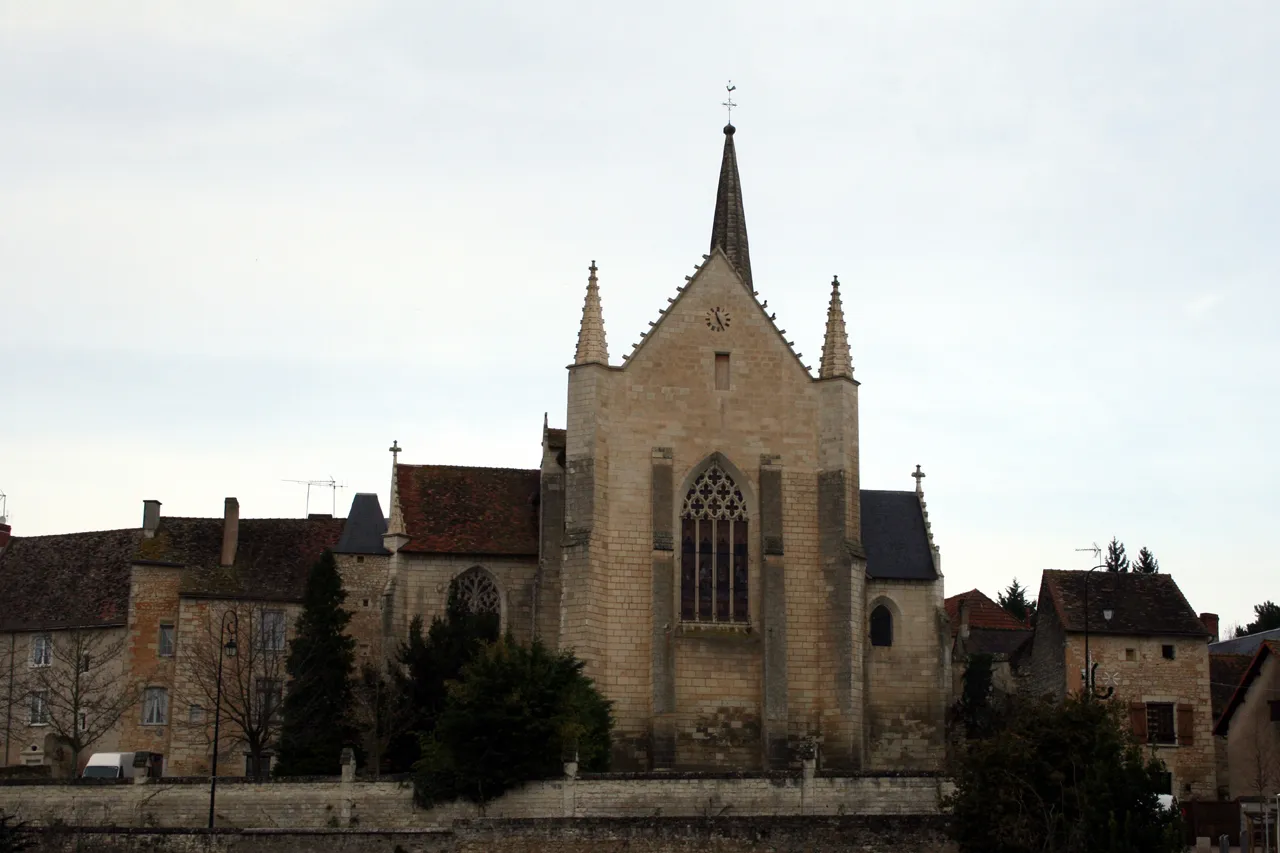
{"x":907,"y":681}
{"x":424,"y":588}
{"x":364,"y":577}
{"x":388,"y":804}
{"x":598,"y":835}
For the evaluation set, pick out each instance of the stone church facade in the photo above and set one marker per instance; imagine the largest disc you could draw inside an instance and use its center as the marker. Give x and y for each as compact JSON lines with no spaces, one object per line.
{"x":699,"y":536}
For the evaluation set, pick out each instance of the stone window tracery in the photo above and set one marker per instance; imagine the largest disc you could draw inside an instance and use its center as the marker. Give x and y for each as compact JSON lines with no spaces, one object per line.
{"x":713,"y":554}
{"x":476,"y":592}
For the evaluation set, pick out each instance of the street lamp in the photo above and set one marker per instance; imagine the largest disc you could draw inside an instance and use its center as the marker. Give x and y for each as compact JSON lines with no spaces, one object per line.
{"x":226,"y":648}
{"x":1090,"y":666}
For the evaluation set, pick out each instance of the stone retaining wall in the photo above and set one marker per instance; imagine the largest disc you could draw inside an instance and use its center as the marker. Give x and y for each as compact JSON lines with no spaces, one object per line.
{"x":919,"y":834}
{"x":388,"y":804}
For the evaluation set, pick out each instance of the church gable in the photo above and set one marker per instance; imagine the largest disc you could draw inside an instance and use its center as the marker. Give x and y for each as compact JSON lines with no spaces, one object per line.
{"x":715,"y":314}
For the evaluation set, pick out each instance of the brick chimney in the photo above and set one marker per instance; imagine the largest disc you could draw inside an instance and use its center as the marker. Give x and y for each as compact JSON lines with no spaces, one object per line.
{"x":230,"y":531}
{"x":1210,"y":621}
{"x":150,"y":518}
{"x":5,"y":534}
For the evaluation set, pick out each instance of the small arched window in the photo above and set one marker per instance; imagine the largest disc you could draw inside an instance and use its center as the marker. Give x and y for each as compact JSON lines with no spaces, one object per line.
{"x":475,"y":592}
{"x":881,"y":626}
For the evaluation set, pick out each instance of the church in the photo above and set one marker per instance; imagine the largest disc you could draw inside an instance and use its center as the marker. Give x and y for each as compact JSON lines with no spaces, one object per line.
{"x":698,"y":535}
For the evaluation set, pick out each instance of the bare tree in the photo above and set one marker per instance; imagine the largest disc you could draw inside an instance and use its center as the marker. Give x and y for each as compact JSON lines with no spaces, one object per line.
{"x":77,"y":686}
{"x":252,"y":683}
{"x":8,"y":671}
{"x":1263,"y":762}
{"x":381,"y":712}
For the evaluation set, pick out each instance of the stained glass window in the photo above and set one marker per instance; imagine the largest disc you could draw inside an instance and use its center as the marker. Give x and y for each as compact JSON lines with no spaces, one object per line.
{"x":713,"y":552}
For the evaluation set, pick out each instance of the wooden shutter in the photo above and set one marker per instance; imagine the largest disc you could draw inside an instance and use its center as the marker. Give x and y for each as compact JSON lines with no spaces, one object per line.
{"x":1138,"y":720}
{"x":1186,"y":725}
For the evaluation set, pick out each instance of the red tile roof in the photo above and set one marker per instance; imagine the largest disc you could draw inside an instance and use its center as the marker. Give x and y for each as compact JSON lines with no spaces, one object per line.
{"x":451,"y":509}
{"x":983,"y":613}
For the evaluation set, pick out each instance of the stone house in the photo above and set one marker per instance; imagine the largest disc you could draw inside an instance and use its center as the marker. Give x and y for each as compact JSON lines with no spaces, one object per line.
{"x":981,"y":626}
{"x":1150,"y":650}
{"x":699,"y":535}
{"x":162,"y":592}
{"x":63,"y":602}
{"x":1250,"y":723}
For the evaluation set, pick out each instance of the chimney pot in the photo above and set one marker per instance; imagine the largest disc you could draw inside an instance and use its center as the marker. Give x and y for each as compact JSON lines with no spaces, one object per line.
{"x":1210,"y":621}
{"x":5,"y":535}
{"x":150,"y":518}
{"x":230,"y":531}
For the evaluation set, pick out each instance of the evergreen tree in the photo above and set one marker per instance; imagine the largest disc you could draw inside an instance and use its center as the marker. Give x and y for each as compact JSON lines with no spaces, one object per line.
{"x":516,"y":714}
{"x":1116,"y":559}
{"x":428,"y":663}
{"x":1146,"y":564}
{"x":1014,"y":601}
{"x":318,"y":705}
{"x":1266,"y":618}
{"x":1064,"y":776}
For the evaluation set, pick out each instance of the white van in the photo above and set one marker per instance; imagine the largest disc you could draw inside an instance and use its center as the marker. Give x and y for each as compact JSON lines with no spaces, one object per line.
{"x":122,"y":765}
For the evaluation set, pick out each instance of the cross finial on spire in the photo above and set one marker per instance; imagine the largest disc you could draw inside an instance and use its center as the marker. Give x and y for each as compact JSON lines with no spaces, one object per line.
{"x":395,"y":452}
{"x":919,"y":475}
{"x":728,"y":102}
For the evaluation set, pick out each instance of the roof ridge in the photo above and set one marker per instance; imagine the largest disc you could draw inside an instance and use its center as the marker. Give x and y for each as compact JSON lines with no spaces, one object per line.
{"x":76,"y":533}
{"x":469,"y":468}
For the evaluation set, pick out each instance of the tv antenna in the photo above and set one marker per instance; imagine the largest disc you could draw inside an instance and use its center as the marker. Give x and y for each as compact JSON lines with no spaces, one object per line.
{"x":1095,"y":551}
{"x":331,"y":484}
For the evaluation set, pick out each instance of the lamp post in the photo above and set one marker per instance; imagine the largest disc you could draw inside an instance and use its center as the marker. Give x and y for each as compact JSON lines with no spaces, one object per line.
{"x":226,"y":648}
{"x":1089,"y":665}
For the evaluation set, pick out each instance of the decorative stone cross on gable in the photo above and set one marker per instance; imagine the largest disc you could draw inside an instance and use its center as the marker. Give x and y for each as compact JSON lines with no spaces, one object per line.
{"x":919,"y":475}
{"x":395,"y":452}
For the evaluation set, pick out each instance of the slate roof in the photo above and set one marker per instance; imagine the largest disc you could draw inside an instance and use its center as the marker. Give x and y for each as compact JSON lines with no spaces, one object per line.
{"x":273,"y":555}
{"x":983,"y":613}
{"x":451,"y":509}
{"x":1225,"y":675}
{"x":1246,"y":645}
{"x":1141,"y":604}
{"x":894,"y":537}
{"x":1266,"y":649}
{"x":365,"y":525}
{"x":67,"y":580}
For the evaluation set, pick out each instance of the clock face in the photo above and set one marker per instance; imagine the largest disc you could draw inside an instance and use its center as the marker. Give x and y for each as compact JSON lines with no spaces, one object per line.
{"x":717,"y":319}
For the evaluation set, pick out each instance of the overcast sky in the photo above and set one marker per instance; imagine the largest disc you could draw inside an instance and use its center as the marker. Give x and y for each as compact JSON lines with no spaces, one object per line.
{"x":246,"y":242}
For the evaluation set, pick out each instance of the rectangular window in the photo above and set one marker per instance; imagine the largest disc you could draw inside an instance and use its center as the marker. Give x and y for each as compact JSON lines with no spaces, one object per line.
{"x":164,"y":645}
{"x":251,"y":767}
{"x":1160,"y":722}
{"x":82,"y":721}
{"x":722,"y":371}
{"x":42,"y":650}
{"x":269,"y":698}
{"x":271,"y":631}
{"x":1167,"y":652}
{"x":195,"y":714}
{"x":1275,"y":710}
{"x":39,"y":708}
{"x":1130,"y":654}
{"x":155,"y":706}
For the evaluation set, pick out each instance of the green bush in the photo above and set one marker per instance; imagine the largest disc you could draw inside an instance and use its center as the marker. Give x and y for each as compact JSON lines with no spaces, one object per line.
{"x":515,"y":714}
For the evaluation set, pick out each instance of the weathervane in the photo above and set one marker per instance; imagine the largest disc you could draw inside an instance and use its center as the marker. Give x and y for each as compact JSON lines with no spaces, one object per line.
{"x":728,"y":103}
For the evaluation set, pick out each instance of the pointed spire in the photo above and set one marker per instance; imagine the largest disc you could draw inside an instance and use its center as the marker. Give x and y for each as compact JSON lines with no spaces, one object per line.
{"x":729,"y":228}
{"x":592,"y":347}
{"x":835,"y":347}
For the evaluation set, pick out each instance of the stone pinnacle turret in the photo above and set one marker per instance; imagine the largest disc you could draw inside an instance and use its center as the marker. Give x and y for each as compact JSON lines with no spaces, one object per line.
{"x":592,"y":347}
{"x":835,"y":347}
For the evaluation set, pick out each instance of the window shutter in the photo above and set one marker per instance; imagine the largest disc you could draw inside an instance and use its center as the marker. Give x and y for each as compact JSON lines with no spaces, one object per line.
{"x":1138,"y":720}
{"x":1186,"y":725}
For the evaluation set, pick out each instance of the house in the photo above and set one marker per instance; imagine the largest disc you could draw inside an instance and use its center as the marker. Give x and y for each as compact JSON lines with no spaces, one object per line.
{"x":1149,"y":652}
{"x":981,"y":626}
{"x":146,"y":613}
{"x":1250,"y":722}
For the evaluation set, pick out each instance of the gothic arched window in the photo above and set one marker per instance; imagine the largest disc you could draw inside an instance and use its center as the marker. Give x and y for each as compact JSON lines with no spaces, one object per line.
{"x":476,"y":593}
{"x":881,"y":626}
{"x":713,"y":551}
